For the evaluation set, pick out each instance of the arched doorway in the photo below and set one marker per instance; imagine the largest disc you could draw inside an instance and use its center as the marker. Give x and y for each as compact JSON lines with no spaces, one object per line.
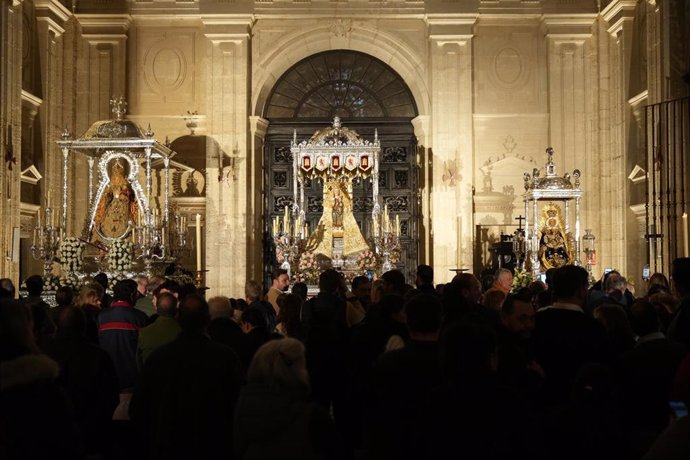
{"x":367,"y":95}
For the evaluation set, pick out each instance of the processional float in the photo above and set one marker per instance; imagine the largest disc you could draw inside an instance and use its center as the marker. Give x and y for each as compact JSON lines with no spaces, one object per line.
{"x":123,"y":220}
{"x":337,"y":156}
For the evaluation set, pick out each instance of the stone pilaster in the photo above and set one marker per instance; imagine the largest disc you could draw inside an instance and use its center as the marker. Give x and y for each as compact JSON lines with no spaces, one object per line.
{"x":255,"y":212}
{"x":10,"y":135}
{"x":421,"y":130}
{"x":452,"y":144}
{"x":227,"y":201}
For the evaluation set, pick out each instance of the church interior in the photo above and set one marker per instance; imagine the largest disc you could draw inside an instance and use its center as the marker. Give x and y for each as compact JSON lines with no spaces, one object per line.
{"x":465,"y":98}
{"x":351,"y":149}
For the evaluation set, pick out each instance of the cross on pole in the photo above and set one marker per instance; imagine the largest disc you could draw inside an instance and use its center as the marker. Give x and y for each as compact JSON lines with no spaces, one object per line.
{"x":520,"y":218}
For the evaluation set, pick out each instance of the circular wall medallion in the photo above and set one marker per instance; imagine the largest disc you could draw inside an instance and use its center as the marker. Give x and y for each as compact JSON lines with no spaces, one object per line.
{"x":508,"y":66}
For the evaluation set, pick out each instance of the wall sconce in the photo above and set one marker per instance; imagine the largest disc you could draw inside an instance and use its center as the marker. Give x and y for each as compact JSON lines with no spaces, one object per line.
{"x":228,"y":165}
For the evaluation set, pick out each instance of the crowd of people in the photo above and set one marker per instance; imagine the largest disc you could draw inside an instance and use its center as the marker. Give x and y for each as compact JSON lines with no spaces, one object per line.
{"x":382,"y":369}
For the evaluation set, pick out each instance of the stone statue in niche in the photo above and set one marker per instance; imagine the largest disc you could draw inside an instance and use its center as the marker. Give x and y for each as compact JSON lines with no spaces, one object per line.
{"x":118,"y":205}
{"x":337,"y":210}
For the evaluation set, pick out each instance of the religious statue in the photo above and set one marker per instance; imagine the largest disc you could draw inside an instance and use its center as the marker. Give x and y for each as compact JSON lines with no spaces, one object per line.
{"x":337,"y":211}
{"x":337,"y":215}
{"x":553,"y":243}
{"x":118,"y":205}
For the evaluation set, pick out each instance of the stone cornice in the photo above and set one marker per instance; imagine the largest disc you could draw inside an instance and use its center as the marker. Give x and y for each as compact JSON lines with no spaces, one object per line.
{"x":110,"y":25}
{"x":53,"y":13}
{"x":451,"y":26}
{"x":617,"y":13}
{"x":230,"y":27}
{"x":569,"y":25}
{"x":258,"y":125}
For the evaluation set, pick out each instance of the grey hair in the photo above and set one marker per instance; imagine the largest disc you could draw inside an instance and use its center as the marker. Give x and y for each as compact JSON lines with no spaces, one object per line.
{"x":501,"y":271}
{"x":280,"y":364}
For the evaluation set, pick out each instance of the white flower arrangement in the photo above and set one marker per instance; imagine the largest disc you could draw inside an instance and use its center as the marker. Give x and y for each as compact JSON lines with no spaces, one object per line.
{"x":120,"y":256}
{"x":69,"y":253}
{"x":114,"y":279}
{"x":521,"y":279}
{"x":70,"y":280}
{"x":51,"y":283}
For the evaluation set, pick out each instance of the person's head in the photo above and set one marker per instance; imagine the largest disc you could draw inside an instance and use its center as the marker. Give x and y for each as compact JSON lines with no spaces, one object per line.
{"x":168,"y":286}
{"x":329,"y":281}
{"x":142,"y":284}
{"x":300,"y":290}
{"x":361,"y":288}
{"x":469,"y":350}
{"x":376,"y":291}
{"x":71,"y":322}
{"x":125,"y":291}
{"x":252,"y":319}
{"x":101,"y":279}
{"x":570,"y":284}
{"x":517,"y":314}
{"x":193,"y":314}
{"x":644,"y":318}
{"x":64,"y":296}
{"x":166,"y":305}
{"x":425,"y":275}
{"x":504,"y":279}
{"x":6,"y":288}
{"x":423,"y":314}
{"x":153,"y":284}
{"x":280,"y":279}
{"x":658,"y":279}
{"x":90,"y":294}
{"x":469,"y":288}
{"x":615,"y":282}
{"x":220,"y":307}
{"x":393,"y":282}
{"x":34,"y":285}
{"x":252,"y":291}
{"x":550,"y":273}
{"x":279,"y":364}
{"x":493,"y":299}
{"x":16,"y":335}
{"x":391,"y":306}
{"x":615,"y":320}
{"x":680,"y":273}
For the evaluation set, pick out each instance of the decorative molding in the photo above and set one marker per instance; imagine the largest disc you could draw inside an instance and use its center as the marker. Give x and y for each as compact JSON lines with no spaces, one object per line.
{"x":31,"y":175}
{"x":52,"y":13}
{"x":638,"y":174}
{"x":108,"y":26}
{"x":617,"y":13}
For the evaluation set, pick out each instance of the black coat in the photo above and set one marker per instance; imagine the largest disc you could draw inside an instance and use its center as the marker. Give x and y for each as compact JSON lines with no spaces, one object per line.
{"x":185,"y":401}
{"x":272,"y":424}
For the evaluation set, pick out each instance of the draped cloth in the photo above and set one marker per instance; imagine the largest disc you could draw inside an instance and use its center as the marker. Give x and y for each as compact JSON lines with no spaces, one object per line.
{"x":321,"y":240}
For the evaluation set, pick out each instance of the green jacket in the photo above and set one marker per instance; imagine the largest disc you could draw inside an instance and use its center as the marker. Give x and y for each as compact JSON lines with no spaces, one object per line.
{"x":163,"y":330}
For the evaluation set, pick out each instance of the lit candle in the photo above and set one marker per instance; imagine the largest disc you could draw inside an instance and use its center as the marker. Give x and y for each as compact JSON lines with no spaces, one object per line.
{"x":397,"y":225}
{"x":306,"y":230}
{"x":198,"y":242}
{"x":685,"y":234}
{"x":285,"y":220}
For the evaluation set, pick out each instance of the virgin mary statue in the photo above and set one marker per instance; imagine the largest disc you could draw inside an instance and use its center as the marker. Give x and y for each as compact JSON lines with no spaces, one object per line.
{"x":338,"y":219}
{"x":117,"y":206}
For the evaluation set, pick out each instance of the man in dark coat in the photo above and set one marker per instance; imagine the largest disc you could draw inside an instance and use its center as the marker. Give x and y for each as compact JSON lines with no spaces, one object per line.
{"x":564,"y":337}
{"x":679,"y":329}
{"x":185,"y":401}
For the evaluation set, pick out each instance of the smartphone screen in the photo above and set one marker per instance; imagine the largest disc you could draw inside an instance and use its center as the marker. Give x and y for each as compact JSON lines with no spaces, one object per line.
{"x":678,"y":408}
{"x":608,"y":270}
{"x":646,"y":272}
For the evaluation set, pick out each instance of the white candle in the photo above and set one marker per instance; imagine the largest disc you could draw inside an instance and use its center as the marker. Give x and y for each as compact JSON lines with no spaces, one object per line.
{"x":685,"y":234}
{"x":38,"y":218}
{"x":397,"y":225}
{"x":198,"y":242}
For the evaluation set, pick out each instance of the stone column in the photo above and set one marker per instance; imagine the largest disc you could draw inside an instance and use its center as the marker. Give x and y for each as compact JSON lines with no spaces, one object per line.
{"x":255,"y":210}
{"x":451,"y":217}
{"x":10,"y":135}
{"x":227,"y":204}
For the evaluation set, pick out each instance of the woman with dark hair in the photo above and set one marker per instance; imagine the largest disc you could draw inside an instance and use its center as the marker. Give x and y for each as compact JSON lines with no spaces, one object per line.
{"x":615,"y":321}
{"x":273,"y":417}
{"x":289,"y":322}
{"x":36,"y":419}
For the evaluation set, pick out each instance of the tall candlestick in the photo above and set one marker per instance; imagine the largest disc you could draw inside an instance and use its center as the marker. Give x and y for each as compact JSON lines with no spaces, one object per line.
{"x":198,"y":242}
{"x":685,"y":234}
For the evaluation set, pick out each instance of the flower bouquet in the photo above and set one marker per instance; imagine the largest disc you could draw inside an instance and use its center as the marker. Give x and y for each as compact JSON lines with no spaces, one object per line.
{"x":521,"y":279}
{"x":70,"y":280}
{"x":69,"y":254}
{"x":51,"y":283}
{"x":367,"y":261}
{"x":120,"y":256}
{"x":307,"y":269}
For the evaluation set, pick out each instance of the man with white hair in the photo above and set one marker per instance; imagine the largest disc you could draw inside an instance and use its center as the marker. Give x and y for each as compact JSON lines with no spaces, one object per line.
{"x":503,"y":280}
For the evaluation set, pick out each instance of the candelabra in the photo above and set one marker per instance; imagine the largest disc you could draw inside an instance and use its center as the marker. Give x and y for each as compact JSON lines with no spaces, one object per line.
{"x":289,"y":237}
{"x":177,"y":246}
{"x":520,"y":248}
{"x":46,"y":242}
{"x":386,"y":238}
{"x":150,"y":240}
{"x":590,"y":252}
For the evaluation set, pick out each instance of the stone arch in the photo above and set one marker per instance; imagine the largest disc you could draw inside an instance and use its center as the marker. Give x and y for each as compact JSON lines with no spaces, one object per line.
{"x":382,"y":45}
